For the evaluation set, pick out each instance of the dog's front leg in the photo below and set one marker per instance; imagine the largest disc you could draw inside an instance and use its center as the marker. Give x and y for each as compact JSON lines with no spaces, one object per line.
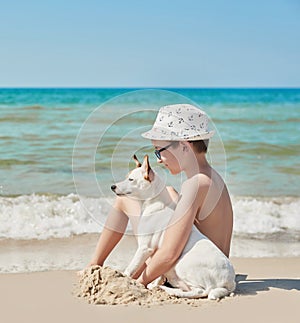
{"x":141,"y":255}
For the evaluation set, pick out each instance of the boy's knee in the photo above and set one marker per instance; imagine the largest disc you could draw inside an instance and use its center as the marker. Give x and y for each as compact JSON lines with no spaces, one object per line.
{"x":127,"y":205}
{"x":119,"y":203}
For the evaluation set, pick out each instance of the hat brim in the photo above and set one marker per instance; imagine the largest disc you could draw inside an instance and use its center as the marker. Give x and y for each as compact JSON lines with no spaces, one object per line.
{"x":167,"y":136}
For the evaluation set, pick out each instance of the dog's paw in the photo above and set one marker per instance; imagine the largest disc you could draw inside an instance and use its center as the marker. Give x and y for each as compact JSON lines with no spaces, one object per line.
{"x":127,"y":273}
{"x":157,"y":282}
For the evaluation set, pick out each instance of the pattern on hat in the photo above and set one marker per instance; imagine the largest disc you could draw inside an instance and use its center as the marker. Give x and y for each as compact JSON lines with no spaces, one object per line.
{"x":180,"y":122}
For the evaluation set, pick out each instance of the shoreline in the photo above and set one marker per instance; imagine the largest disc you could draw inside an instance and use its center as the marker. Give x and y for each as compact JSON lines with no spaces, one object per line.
{"x":262,"y":284}
{"x":73,"y":253}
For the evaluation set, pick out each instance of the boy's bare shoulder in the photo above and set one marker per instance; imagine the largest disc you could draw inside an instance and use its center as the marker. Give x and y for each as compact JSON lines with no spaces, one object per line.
{"x":197,"y":186}
{"x":194,"y":190}
{"x":197,"y":181}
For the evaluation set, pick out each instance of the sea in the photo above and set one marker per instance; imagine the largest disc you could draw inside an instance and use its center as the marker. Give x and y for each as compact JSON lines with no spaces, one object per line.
{"x":61,"y":149}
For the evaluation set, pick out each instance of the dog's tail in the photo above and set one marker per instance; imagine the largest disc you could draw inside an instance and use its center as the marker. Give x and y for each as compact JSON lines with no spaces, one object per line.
{"x":213,"y":294}
{"x":193,"y":293}
{"x":218,"y":293}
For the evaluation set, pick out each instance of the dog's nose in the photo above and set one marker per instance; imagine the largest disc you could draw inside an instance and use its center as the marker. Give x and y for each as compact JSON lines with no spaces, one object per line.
{"x":113,"y":187}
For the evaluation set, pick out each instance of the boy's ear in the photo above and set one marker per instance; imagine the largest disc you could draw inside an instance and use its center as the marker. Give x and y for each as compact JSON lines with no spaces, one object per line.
{"x":137,"y":163}
{"x":148,"y":173}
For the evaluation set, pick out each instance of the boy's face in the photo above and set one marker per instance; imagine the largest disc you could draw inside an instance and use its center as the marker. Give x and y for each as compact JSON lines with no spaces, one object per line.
{"x":169,"y":156}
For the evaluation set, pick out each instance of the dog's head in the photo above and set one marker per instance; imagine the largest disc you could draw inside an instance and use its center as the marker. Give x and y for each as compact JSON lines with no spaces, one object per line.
{"x":139,"y":182}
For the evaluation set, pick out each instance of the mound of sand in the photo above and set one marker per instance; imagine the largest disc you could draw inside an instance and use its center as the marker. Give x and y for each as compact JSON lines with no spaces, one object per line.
{"x":104,"y":285}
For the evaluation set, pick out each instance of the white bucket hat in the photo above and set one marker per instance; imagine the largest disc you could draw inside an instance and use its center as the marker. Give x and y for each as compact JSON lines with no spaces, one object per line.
{"x":179,"y":122}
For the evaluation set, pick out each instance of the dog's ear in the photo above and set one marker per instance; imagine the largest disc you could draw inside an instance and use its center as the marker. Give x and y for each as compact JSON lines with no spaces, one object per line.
{"x":148,"y":173}
{"x":137,"y":163}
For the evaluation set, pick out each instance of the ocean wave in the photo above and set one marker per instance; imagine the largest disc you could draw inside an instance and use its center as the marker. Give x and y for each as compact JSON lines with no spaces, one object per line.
{"x":267,"y":218}
{"x":13,"y":162}
{"x":34,"y":107}
{"x":261,"y":148}
{"x":52,"y":216}
{"x":49,"y":216}
{"x":255,"y":121}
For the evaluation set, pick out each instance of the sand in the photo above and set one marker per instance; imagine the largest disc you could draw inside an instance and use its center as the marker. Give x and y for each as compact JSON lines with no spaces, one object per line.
{"x":268,"y":291}
{"x":107,"y":286}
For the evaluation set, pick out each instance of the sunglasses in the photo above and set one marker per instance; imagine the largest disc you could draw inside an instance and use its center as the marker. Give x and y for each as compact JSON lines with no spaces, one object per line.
{"x":158,"y":151}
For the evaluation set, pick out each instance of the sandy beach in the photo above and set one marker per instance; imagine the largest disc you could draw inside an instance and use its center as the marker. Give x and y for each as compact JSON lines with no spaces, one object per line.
{"x":268,"y":290}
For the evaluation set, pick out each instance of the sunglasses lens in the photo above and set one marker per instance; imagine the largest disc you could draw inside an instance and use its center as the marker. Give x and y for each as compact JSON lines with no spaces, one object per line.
{"x":157,"y":154}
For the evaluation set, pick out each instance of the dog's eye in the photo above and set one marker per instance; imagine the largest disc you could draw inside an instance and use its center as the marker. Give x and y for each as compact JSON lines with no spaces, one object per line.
{"x":130,"y":179}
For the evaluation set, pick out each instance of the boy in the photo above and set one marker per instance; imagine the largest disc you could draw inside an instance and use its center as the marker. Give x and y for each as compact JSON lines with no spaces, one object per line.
{"x":180,"y":136}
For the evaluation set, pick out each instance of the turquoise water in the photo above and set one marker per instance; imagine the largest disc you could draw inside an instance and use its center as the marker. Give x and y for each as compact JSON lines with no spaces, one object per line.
{"x":62,"y":149}
{"x":259,"y":129}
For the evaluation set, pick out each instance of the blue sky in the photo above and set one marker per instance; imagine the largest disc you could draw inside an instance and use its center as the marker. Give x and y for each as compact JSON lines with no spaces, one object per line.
{"x":157,"y":43}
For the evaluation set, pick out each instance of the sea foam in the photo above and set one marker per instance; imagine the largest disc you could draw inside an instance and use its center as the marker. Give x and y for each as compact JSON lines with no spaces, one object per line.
{"x":261,"y":218}
{"x":43,"y":217}
{"x":47,"y":216}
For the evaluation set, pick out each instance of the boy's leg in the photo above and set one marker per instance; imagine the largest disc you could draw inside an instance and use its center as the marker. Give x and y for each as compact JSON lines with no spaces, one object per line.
{"x":124,"y":208}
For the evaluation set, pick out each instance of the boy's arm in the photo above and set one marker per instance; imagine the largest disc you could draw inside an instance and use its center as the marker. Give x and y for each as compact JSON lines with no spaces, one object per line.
{"x":177,"y":234}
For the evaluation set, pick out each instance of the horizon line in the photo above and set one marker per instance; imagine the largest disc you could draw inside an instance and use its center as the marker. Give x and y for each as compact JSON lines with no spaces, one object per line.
{"x":152,"y":87}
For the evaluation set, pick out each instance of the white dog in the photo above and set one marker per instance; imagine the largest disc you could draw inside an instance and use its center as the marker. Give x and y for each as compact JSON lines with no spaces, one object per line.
{"x":202,"y":267}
